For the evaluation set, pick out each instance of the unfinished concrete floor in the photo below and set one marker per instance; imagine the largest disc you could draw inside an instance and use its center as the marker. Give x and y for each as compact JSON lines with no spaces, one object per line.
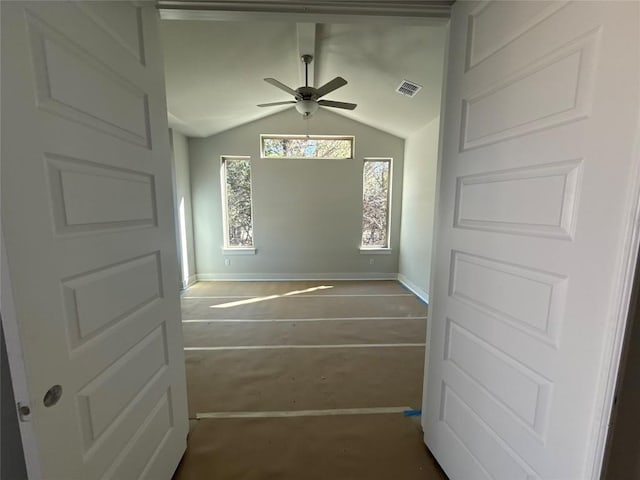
{"x":304,"y":380}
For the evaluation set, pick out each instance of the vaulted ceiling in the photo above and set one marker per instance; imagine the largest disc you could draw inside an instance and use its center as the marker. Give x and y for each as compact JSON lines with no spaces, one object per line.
{"x":215,"y":70}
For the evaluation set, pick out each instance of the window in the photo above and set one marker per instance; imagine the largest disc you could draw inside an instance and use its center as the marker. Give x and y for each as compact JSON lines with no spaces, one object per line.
{"x":236,"y":202}
{"x":376,"y":186}
{"x":306,"y":146}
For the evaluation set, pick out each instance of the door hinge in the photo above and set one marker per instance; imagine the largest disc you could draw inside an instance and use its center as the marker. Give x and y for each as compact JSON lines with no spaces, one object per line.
{"x":24,"y":412}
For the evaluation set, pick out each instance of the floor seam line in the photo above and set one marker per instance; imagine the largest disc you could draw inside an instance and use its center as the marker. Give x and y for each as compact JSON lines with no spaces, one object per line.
{"x":284,"y":320}
{"x":310,"y":346}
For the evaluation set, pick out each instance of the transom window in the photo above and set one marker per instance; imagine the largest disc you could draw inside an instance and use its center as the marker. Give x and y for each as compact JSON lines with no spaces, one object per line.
{"x":376,"y":189}
{"x":237,"y":214}
{"x":306,"y":146}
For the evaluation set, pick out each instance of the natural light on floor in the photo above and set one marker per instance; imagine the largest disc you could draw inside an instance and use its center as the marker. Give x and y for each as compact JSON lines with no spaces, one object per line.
{"x":270,"y":297}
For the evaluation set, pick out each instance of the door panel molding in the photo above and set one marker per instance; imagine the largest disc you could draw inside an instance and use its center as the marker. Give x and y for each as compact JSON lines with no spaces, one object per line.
{"x":545,"y":215}
{"x":54,"y":55}
{"x":557,"y":101}
{"x":525,"y":21}
{"x":528,"y":299}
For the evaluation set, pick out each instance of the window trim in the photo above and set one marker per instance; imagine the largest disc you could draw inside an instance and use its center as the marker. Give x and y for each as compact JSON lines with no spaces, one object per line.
{"x":386,"y":249}
{"x":226,"y":248}
{"x":238,"y":250}
{"x":375,"y":250}
{"x":351,"y":138}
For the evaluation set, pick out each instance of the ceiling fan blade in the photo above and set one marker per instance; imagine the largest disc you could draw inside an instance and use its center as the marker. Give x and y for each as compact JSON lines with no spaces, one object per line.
{"x":273,"y":104}
{"x":331,"y":103}
{"x":330,"y":86}
{"x":282,"y":86}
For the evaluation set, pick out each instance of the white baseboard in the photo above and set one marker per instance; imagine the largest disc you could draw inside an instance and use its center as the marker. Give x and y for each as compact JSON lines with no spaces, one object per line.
{"x":421,"y":293}
{"x":263,"y":277}
{"x":190,"y":281}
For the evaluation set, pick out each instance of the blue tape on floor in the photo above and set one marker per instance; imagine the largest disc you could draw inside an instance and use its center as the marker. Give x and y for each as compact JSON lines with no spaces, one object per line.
{"x":412,"y":413}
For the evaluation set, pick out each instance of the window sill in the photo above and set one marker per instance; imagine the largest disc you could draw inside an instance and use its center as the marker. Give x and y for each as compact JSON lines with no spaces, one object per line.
{"x":374,"y":251}
{"x":239,"y":251}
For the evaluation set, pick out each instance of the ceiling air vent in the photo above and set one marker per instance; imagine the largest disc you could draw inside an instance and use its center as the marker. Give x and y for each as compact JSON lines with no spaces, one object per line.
{"x":408,"y":88}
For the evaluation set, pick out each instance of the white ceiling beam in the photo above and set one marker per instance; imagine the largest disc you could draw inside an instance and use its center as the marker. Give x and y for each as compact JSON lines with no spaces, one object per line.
{"x":412,"y":12}
{"x":307,"y":46}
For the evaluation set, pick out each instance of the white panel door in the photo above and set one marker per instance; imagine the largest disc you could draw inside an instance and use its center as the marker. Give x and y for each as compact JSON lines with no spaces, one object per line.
{"x":536,"y":174}
{"x":87,"y":217}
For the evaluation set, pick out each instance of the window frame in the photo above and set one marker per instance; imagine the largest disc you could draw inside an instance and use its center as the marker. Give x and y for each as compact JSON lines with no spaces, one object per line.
{"x":351,"y":138}
{"x":365,"y":249}
{"x":232,"y":249}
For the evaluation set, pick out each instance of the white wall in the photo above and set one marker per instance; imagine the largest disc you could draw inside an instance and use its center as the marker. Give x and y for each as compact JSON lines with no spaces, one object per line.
{"x":418,"y":205}
{"x":307,"y":213}
{"x":184,"y":216}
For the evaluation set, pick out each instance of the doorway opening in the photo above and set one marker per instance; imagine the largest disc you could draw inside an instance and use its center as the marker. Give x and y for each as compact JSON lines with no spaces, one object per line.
{"x":267,"y":357}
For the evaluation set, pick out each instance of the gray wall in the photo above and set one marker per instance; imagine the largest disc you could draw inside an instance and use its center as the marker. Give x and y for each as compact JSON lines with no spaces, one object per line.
{"x":307,"y":213}
{"x":418,"y":204}
{"x":183,"y":191}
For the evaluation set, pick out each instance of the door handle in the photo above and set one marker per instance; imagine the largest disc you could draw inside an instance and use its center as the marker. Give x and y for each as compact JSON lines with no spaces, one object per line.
{"x":52,"y":396}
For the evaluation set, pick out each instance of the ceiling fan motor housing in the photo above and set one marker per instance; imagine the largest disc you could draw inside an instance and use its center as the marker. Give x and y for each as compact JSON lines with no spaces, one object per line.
{"x":307,"y":93}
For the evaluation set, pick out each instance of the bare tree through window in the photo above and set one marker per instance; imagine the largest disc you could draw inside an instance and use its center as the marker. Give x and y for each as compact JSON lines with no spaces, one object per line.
{"x":292,"y":146}
{"x":375,"y":203}
{"x":237,"y":202}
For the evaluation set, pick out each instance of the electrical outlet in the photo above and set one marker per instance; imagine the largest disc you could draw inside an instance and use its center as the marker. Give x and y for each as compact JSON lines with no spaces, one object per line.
{"x":371,"y":261}
{"x":227,"y":261}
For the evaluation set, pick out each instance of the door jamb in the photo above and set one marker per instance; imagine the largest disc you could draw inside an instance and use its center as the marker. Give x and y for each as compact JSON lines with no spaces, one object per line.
{"x":436,"y":216}
{"x":620,"y":316}
{"x":17,"y":366}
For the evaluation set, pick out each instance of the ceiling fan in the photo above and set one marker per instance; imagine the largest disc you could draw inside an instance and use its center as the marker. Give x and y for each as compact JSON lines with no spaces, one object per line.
{"x":307,"y":99}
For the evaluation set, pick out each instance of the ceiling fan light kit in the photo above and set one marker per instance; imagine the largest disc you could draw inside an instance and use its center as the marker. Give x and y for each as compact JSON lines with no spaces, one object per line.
{"x":307,"y":99}
{"x":306,"y":107}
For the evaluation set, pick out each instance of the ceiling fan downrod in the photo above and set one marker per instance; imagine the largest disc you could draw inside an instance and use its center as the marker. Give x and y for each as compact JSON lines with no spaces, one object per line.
{"x":307,"y":60}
